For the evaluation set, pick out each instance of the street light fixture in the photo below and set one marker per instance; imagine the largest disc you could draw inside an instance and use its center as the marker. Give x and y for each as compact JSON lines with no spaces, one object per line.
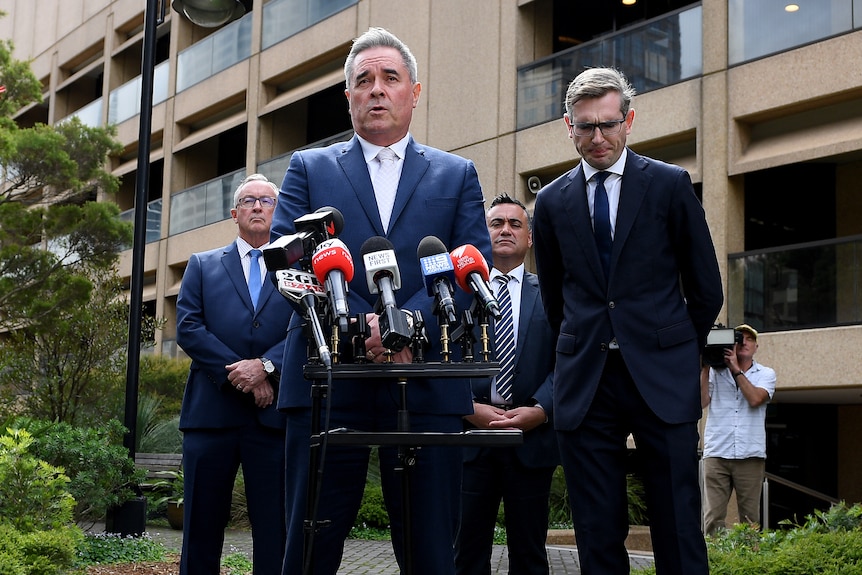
{"x":209,"y":13}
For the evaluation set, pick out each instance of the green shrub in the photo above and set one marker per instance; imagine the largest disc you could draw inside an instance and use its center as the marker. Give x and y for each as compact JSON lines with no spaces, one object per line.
{"x":37,"y":552}
{"x":102,"y":473}
{"x":827,"y":543}
{"x":237,"y":564}
{"x":372,"y":512}
{"x":33,"y":493}
{"x":165,"y":377}
{"x":109,"y":548}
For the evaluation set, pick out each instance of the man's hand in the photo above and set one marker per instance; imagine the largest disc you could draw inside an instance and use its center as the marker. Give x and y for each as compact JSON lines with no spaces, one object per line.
{"x":264,"y":394}
{"x":246,"y":375}
{"x":490,"y":417}
{"x":374,"y":347}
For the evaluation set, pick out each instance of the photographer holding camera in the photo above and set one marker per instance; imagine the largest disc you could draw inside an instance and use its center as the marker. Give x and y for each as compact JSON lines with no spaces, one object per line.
{"x":734,"y":445}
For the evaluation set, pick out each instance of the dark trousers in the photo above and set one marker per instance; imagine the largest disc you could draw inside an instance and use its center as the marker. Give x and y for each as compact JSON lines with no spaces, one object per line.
{"x":497,"y":474}
{"x":594,"y":461}
{"x":211,"y":459}
{"x":434,"y":488}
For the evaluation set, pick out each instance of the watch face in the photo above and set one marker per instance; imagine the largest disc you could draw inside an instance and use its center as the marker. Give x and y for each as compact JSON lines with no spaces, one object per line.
{"x":268,"y":366}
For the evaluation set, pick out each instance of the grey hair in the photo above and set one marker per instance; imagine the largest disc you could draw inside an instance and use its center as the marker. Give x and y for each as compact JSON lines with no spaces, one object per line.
{"x":595,"y":83}
{"x":248,"y":180}
{"x":375,"y":38}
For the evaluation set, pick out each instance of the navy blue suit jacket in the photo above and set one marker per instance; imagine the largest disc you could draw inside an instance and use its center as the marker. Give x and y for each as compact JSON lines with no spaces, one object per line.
{"x":438,"y":195}
{"x":217,"y":326}
{"x":663,"y":294}
{"x":533,"y":379}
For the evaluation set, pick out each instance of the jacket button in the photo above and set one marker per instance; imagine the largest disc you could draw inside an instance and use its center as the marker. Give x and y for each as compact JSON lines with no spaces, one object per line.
{"x":604,"y":347}
{"x":256,"y":324}
{"x":612,"y":305}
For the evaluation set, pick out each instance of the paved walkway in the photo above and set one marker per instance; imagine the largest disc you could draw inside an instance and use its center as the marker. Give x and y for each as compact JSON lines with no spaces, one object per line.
{"x":376,"y":557}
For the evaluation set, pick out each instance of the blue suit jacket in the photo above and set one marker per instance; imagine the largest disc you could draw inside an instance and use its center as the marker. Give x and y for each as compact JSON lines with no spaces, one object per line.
{"x":438,"y":194}
{"x":216,"y":326}
{"x":663,"y":294}
{"x":533,"y":379}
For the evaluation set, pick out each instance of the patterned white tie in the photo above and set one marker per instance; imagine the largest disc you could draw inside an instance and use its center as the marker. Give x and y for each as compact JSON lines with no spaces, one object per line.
{"x":386,"y":184}
{"x":254,"y":277}
{"x":504,"y":339}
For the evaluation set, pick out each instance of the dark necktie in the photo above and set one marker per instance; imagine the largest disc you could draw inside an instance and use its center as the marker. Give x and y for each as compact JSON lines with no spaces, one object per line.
{"x":602,"y":221}
{"x":504,"y":339}
{"x":254,"y":277}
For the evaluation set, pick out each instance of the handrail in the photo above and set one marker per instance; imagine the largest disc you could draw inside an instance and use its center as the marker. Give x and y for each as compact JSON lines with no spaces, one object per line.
{"x":793,"y":485}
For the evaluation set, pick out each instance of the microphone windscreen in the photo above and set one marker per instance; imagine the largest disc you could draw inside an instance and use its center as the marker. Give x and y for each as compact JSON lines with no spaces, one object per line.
{"x":468,"y":259}
{"x":375,"y":244}
{"x":332,"y":255}
{"x":429,"y":246}
{"x":333,"y":229}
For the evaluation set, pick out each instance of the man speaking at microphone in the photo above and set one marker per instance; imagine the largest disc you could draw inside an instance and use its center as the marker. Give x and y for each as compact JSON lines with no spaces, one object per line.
{"x":385,"y":184}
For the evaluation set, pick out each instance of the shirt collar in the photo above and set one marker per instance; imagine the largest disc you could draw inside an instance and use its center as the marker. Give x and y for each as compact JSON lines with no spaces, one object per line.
{"x":370,"y":150}
{"x":516,"y":273}
{"x":243,"y":247}
{"x":617,"y":167}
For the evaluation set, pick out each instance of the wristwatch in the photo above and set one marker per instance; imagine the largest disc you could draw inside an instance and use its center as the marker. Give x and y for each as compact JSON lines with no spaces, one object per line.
{"x":268,"y":366}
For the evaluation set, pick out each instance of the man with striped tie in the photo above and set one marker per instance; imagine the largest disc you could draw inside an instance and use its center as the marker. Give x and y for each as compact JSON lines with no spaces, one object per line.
{"x":520,"y":396}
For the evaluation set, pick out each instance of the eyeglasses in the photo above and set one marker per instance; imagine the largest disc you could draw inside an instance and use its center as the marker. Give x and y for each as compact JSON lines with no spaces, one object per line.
{"x":611,"y":128}
{"x":248,"y":202}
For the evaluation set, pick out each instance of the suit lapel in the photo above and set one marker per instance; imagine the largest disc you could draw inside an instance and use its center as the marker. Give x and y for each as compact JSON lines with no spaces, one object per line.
{"x":636,"y":182}
{"x":529,"y":296}
{"x":413,"y":170}
{"x":575,"y":202}
{"x":233,"y":268}
{"x":353,"y":164}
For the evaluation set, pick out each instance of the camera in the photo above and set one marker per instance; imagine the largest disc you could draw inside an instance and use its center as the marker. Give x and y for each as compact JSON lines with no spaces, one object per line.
{"x":718,"y":339}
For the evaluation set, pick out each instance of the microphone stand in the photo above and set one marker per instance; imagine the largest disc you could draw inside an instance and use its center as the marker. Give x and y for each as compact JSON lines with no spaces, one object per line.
{"x":407,"y":442}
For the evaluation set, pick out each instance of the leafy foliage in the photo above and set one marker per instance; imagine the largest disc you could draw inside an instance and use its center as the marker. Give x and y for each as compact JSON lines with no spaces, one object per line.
{"x":110,"y":548}
{"x":827,"y":543}
{"x":372,"y":512}
{"x":37,"y":552}
{"x":33,"y":493}
{"x":102,"y":473}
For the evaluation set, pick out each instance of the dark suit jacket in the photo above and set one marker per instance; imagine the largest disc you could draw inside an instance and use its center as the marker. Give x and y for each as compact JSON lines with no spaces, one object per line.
{"x":216,"y":326}
{"x":438,"y":194}
{"x":663,"y":294}
{"x":533,"y":379}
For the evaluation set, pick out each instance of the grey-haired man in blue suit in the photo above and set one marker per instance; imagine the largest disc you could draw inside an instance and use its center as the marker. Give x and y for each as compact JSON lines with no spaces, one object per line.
{"x":229,"y":417}
{"x":435,"y":194}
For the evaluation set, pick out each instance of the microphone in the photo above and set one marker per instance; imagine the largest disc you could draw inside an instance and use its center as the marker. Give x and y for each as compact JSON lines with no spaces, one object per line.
{"x":333,"y":266}
{"x":471,"y":273}
{"x":303,"y":289}
{"x":383,"y":277}
{"x":311,"y":229}
{"x":438,"y":274}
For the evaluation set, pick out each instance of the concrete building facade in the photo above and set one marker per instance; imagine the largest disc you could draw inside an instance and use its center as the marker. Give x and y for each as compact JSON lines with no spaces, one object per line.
{"x":760,"y":101}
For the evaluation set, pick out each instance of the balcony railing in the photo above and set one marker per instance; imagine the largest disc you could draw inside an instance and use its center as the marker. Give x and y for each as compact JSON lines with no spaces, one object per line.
{"x":125,"y":101}
{"x":90,"y":115}
{"x":284,"y":18}
{"x":802,"y":286}
{"x":655,"y":54}
{"x":274,"y":168}
{"x":218,"y":51}
{"x":205,"y":204}
{"x":154,"y":220}
{"x":818,"y":20}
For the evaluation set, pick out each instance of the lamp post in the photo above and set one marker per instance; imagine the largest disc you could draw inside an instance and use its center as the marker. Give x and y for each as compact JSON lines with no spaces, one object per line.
{"x":130,"y":519}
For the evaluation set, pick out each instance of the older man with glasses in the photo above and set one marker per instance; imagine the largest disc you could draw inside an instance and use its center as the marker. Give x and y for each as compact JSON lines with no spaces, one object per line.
{"x":233,"y":324}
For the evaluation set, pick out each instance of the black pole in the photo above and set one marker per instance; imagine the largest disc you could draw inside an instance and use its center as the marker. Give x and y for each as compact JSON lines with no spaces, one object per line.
{"x":139,"y":245}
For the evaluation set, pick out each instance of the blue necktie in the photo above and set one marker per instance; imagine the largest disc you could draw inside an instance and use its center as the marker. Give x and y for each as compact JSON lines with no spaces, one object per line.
{"x":254,"y":277}
{"x":504,"y":339}
{"x":602,"y":221}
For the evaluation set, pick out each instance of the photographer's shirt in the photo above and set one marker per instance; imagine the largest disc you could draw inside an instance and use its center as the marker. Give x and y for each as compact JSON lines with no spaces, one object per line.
{"x":734,"y":429}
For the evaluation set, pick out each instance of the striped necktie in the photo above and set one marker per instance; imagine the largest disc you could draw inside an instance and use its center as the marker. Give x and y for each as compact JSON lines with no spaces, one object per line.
{"x":504,"y":339}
